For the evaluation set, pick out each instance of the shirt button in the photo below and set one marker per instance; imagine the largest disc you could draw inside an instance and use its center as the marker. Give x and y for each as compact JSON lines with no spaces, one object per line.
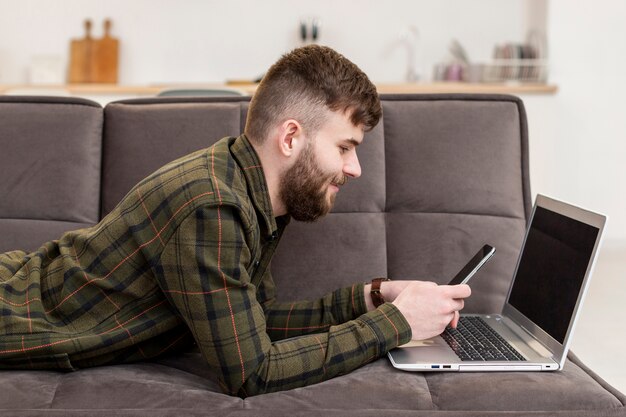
{"x":257,"y":263}
{"x":274,"y":236}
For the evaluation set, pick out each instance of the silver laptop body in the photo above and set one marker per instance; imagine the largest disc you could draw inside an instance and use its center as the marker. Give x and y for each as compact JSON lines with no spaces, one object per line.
{"x":544,"y":300}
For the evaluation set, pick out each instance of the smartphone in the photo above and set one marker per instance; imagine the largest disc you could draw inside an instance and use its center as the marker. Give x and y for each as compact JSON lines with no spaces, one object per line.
{"x":473,"y":265}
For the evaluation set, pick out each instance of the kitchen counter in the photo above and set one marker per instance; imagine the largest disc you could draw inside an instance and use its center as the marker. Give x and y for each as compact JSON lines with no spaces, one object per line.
{"x":104,"y":93}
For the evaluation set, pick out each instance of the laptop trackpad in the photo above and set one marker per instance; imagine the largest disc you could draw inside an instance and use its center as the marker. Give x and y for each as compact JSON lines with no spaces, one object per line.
{"x":435,"y":341}
{"x":434,"y":350}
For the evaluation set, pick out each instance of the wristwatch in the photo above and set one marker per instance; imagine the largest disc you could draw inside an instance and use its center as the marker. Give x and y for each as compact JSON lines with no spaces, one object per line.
{"x":377,"y":297}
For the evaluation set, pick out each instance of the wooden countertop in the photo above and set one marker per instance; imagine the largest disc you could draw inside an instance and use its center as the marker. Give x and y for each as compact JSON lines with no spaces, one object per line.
{"x":473,"y":88}
{"x":248,"y":88}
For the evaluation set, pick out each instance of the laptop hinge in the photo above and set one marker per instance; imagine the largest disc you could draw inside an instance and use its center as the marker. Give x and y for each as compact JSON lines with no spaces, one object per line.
{"x":528,"y":338}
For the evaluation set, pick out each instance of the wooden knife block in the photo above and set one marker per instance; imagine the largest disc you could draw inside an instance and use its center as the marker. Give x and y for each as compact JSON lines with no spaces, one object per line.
{"x":94,"y":60}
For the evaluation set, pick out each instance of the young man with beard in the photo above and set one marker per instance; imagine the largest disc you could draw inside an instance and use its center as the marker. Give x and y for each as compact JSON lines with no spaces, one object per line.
{"x":183,"y":259}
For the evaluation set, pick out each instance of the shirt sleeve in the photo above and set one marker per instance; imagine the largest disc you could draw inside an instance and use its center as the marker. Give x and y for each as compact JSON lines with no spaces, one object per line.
{"x":202,"y":272}
{"x":298,"y":318}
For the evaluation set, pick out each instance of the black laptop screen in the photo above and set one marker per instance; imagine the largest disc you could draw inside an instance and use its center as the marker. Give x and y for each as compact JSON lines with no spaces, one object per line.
{"x":552,"y":269}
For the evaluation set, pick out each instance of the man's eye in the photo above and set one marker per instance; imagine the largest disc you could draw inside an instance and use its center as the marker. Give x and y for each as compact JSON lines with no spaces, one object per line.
{"x":343,"y":149}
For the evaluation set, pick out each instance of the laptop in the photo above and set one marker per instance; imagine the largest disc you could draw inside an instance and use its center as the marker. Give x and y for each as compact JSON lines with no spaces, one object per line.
{"x":534,"y":329}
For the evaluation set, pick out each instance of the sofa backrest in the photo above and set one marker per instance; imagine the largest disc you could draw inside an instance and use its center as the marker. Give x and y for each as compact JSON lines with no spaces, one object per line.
{"x":140,"y":136}
{"x":442,"y":175}
{"x":50,"y":154}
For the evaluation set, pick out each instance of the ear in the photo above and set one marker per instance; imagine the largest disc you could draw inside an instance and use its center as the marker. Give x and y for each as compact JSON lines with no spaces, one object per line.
{"x":291,"y":138}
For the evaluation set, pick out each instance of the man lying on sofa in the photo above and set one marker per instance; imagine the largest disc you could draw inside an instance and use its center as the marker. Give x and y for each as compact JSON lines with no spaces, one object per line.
{"x":183,"y":259}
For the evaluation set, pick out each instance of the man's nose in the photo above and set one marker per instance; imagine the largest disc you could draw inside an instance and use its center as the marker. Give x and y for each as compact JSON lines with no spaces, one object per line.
{"x":352,"y":168}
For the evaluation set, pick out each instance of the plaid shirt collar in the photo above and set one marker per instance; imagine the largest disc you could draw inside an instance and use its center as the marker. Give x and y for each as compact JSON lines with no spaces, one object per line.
{"x":250,"y":165}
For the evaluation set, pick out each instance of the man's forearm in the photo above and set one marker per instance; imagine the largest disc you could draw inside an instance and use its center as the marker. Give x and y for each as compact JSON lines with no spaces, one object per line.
{"x":303,"y":317}
{"x":310,"y":359}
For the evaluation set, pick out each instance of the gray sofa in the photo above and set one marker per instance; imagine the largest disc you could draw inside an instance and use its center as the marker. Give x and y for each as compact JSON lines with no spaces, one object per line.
{"x":442,"y":174}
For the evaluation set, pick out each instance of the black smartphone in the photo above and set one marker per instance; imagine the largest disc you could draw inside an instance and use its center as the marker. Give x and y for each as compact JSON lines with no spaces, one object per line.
{"x":473,"y":265}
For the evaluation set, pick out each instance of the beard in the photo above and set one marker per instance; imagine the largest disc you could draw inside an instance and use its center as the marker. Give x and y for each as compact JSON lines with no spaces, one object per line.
{"x":304,"y":186}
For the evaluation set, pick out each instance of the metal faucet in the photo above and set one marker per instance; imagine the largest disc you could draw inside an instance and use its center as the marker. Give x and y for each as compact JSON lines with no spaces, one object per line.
{"x":409,"y":39}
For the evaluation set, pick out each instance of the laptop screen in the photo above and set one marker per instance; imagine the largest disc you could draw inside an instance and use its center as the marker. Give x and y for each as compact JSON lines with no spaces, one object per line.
{"x":552,"y":269}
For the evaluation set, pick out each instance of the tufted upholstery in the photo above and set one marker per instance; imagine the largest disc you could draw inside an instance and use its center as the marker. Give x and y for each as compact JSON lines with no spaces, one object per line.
{"x":442,"y":175}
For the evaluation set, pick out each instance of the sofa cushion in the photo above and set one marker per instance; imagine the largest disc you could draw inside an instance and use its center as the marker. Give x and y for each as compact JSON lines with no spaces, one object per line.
{"x":140,"y":136}
{"x":50,"y":166}
{"x":571,"y":389}
{"x":29,"y":234}
{"x":457,"y":178}
{"x":327,"y":260}
{"x":457,"y":156}
{"x":410,"y":237}
{"x":183,"y":386}
{"x":379,"y":386}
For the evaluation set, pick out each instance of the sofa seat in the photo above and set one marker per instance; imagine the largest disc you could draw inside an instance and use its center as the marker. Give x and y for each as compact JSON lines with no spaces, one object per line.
{"x":183,"y":385}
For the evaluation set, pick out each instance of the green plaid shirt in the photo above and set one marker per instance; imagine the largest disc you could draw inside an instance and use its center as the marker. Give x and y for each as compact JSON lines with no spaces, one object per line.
{"x":184,"y":259}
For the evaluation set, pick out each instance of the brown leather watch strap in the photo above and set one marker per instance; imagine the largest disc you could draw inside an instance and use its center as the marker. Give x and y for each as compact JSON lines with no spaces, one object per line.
{"x":377,"y":297}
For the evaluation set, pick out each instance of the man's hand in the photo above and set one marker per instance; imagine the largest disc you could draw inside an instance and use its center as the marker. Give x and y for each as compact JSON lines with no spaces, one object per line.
{"x":429,"y":307}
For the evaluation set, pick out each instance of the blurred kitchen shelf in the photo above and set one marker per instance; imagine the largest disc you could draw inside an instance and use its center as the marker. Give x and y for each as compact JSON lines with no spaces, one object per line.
{"x":108,"y":89}
{"x":473,"y":88}
{"x":121,"y":91}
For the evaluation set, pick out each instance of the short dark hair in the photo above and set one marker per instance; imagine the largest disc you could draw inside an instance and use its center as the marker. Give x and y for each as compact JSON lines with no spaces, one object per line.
{"x":306,"y":82}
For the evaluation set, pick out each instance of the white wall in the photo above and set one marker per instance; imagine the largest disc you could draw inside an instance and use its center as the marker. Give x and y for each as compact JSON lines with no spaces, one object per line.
{"x":578,"y":137}
{"x":210,"y":40}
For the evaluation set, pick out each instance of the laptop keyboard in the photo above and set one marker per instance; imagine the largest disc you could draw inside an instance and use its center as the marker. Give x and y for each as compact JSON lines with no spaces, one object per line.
{"x":475,"y":340}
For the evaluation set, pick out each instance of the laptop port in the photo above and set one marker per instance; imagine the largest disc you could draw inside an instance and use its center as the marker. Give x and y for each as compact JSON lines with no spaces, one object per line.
{"x":447,"y":366}
{"x":434,"y":366}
